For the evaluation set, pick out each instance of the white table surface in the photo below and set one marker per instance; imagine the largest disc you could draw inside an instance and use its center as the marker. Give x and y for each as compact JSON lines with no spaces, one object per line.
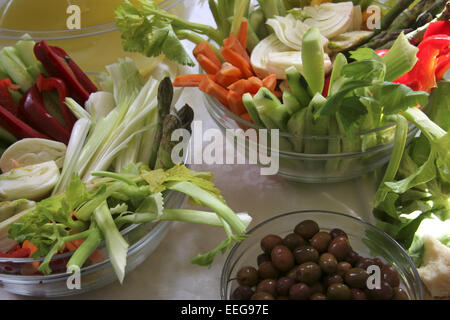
{"x":168,"y":274}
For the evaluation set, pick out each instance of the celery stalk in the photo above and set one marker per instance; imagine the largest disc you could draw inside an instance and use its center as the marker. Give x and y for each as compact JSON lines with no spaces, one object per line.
{"x":400,"y":59}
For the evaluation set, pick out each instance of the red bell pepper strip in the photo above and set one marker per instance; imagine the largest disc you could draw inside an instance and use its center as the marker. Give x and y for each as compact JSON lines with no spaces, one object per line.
{"x":32,"y":111}
{"x":438,"y":27}
{"x":443,"y":64}
{"x":18,"y":253}
{"x":58,"y":64}
{"x":5,"y":95}
{"x":17,"y":127}
{"x":50,"y":84}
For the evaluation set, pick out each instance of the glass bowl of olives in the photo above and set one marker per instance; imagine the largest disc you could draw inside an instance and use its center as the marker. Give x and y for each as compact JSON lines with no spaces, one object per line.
{"x":319,"y":255}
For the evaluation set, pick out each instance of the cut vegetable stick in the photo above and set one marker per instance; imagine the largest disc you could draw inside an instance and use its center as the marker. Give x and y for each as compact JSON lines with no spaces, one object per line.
{"x":257,"y":82}
{"x":205,"y":49}
{"x":188,"y":80}
{"x":243,"y":33}
{"x":237,"y":61}
{"x":245,"y":86}
{"x":233,"y":43}
{"x":235,"y":103}
{"x":246,"y":117}
{"x":270,"y":82}
{"x":227,"y":75}
{"x":207,"y":65}
{"x":208,"y":86}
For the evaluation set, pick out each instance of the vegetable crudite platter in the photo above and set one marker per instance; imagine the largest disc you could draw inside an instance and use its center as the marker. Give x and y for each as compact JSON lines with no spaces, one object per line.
{"x":88,"y":181}
{"x":347,"y":98}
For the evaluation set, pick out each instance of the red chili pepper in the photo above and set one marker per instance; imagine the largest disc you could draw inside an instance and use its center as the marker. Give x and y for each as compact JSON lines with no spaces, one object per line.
{"x":17,"y":127}
{"x":58,"y":64}
{"x":6,"y":97}
{"x":50,"y":84}
{"x":17,"y":253}
{"x":32,"y":110}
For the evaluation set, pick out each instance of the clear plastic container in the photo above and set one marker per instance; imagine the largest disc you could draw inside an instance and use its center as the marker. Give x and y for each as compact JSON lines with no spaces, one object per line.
{"x":143,"y":240}
{"x":379,"y":244}
{"x":95,"y":45}
{"x":316,"y":168}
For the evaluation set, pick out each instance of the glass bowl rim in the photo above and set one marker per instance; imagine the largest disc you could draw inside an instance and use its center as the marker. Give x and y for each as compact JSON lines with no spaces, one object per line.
{"x":224,"y":278}
{"x":213,"y":103}
{"x":51,"y":35}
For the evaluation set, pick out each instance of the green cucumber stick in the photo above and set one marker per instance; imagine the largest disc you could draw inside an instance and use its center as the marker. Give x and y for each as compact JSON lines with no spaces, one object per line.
{"x":297,"y":85}
{"x":334,"y":145}
{"x":15,"y":68}
{"x":257,"y":22}
{"x":296,"y":127}
{"x":348,"y":145}
{"x":250,"y":105}
{"x":316,"y":127}
{"x":291,"y":103}
{"x":312,"y":60}
{"x":268,"y":104}
{"x":339,"y":62}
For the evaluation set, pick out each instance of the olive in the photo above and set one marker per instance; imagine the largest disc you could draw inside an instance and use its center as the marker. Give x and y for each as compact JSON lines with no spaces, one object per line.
{"x":262,"y":296}
{"x":316,"y":288}
{"x":358,"y":295}
{"x":283,"y":285}
{"x":343,"y":267}
{"x":328,"y":263}
{"x":352,"y":258}
{"x":262,"y":258}
{"x":385,"y":292}
{"x":364,"y":263}
{"x":247,"y":276}
{"x":339,"y":291}
{"x":400,"y":294}
{"x":379,"y":262}
{"x":309,"y":272}
{"x":299,"y":291}
{"x":307,"y":229}
{"x":293,"y":241}
{"x":390,"y":275}
{"x":267,"y":270}
{"x":320,"y":241}
{"x":337,"y":232}
{"x":268,"y":286}
{"x":318,"y":296}
{"x":282,"y":258}
{"x":292,"y":274}
{"x":306,"y":254}
{"x":242,"y":293}
{"x":333,"y":279}
{"x":340,"y":248}
{"x":269,"y":242}
{"x":356,"y":278}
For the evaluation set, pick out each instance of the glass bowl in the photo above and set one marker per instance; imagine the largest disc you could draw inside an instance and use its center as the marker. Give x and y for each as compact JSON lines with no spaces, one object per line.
{"x":143,"y":240}
{"x":366,"y":152}
{"x":380,"y":245}
{"x":94,"y":45}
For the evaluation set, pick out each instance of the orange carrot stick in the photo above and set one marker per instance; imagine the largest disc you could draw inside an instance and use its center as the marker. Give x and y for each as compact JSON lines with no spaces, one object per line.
{"x":243,"y":33}
{"x":188,"y":80}
{"x":207,"y":65}
{"x":233,"y":43}
{"x":235,"y":102}
{"x":227,"y":75}
{"x":205,"y":49}
{"x":245,"y":86}
{"x":247,"y":117}
{"x":208,"y":86}
{"x":237,"y":61}
{"x":270,"y":82}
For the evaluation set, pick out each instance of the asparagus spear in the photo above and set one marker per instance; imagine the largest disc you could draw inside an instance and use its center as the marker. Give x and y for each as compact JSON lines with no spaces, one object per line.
{"x":186,"y":115}
{"x":170,"y":124}
{"x":429,"y":14}
{"x":165,"y":96}
{"x":394,"y":12}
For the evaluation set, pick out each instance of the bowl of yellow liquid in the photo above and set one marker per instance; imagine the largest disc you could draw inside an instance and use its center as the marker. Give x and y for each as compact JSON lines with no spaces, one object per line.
{"x":85,"y":29}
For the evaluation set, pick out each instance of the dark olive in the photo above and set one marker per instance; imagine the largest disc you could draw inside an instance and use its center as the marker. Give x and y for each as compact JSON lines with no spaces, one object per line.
{"x":307,"y":229}
{"x":364,"y":263}
{"x":339,"y":291}
{"x":262,"y":296}
{"x":356,"y":278}
{"x":247,"y":276}
{"x":379,"y":262}
{"x":309,"y":272}
{"x":320,"y":241}
{"x":268,"y":286}
{"x":328,"y":263}
{"x":343,"y":267}
{"x":337,"y":232}
{"x":299,"y":291}
{"x":269,"y":242}
{"x":400,"y":294}
{"x":262,"y":258}
{"x":316,"y":288}
{"x":385,"y":292}
{"x":242,"y":293}
{"x":283,"y":286}
{"x":267,"y":270}
{"x":306,"y":254}
{"x":358,"y":295}
{"x":333,"y":279}
{"x":292,"y":274}
{"x":282,"y":258}
{"x":390,"y":275}
{"x":352,"y":258}
{"x":293,"y":241}
{"x":340,"y":247}
{"x":318,"y":296}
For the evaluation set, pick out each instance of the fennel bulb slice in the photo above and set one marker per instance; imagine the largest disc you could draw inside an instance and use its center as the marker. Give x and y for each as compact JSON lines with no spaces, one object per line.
{"x":260,"y":53}
{"x":331,"y":19}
